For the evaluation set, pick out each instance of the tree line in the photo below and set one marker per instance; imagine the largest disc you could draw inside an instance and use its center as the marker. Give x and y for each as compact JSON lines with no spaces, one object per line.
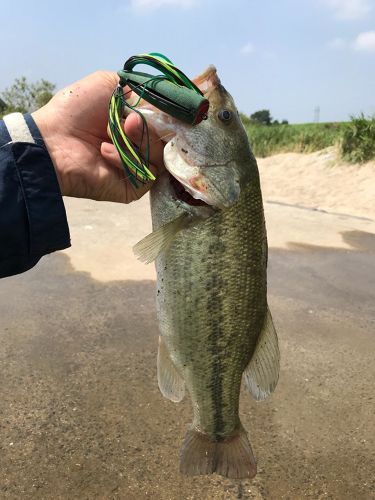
{"x":24,"y":96}
{"x":261,"y":117}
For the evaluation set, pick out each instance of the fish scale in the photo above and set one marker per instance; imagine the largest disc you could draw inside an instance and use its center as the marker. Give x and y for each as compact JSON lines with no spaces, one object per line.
{"x":209,"y":242}
{"x":212,"y":292}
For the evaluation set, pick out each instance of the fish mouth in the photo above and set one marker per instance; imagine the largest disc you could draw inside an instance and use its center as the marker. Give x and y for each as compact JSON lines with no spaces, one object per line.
{"x":216,"y":186}
{"x":202,"y":189}
{"x":183,"y":195}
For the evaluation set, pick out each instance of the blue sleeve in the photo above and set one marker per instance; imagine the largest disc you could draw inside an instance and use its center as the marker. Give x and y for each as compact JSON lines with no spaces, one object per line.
{"x":32,"y":214}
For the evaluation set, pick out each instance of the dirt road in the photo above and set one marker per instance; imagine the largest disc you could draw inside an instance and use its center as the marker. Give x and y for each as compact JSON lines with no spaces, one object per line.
{"x":80,"y":412}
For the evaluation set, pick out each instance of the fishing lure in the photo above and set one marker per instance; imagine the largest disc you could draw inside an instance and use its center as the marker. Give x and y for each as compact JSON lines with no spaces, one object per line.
{"x":172,"y":92}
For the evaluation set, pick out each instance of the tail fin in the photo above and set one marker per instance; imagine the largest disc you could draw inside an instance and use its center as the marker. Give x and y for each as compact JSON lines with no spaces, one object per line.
{"x":232,"y":457}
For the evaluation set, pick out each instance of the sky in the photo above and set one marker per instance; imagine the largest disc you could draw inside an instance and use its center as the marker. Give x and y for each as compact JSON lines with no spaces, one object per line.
{"x":288,"y":56}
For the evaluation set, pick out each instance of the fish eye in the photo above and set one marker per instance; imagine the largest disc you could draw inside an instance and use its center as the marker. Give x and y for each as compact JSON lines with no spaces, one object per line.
{"x":225,"y":115}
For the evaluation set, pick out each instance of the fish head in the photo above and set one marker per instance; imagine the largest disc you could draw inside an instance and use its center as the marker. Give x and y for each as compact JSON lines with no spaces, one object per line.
{"x":209,"y":162}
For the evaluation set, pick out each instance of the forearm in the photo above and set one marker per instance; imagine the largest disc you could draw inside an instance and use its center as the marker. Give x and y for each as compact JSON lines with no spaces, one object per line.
{"x":32,"y":214}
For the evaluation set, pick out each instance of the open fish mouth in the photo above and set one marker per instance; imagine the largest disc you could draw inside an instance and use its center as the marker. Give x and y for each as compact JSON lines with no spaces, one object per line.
{"x":183,"y":195}
{"x":216,"y":185}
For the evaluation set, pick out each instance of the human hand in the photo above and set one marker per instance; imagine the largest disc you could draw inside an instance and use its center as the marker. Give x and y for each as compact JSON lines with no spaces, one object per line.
{"x":74,"y":127}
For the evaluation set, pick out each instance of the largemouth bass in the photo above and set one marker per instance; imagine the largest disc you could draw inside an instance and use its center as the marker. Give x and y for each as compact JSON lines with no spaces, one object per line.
{"x":210,"y":246}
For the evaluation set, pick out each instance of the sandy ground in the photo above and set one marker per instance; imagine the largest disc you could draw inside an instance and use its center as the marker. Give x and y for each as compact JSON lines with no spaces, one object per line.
{"x":320,"y":180}
{"x":80,"y":412}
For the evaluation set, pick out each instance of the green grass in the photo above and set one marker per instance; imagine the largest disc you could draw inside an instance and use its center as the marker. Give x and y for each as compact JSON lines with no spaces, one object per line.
{"x":358,"y":140}
{"x":273,"y":139}
{"x":355,"y":139}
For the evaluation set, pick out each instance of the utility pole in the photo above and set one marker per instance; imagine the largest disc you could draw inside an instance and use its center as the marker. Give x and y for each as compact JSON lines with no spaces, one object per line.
{"x":317,"y":114}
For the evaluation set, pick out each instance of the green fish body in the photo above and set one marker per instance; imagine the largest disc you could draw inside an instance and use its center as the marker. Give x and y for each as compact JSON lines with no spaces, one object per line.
{"x":211,"y":261}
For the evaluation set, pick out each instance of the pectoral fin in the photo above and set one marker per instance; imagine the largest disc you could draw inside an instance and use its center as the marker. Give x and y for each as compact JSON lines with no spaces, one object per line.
{"x":171,"y":384}
{"x":262,"y":372}
{"x":153,"y":244}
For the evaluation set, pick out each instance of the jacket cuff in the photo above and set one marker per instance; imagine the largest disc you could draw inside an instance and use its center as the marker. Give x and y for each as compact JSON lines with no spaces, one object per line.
{"x":44,"y":209}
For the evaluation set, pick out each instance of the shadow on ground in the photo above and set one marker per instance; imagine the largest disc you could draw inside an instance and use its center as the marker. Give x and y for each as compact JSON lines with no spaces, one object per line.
{"x":82,"y":417}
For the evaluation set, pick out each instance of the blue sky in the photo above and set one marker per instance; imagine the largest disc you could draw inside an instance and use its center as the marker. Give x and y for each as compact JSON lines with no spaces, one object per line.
{"x":288,"y":56}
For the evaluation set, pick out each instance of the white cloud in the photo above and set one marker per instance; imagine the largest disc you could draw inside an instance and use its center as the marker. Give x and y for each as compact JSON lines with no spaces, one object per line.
{"x":337,"y":44}
{"x":349,"y":9}
{"x":365,"y":41}
{"x":157,"y":4}
{"x":248,"y":48}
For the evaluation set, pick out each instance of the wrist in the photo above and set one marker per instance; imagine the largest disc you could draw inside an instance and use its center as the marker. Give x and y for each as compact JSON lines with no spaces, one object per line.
{"x":49,"y":137}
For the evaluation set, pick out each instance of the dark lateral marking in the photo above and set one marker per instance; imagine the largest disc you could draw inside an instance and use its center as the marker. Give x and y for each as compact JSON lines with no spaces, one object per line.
{"x":215,"y":307}
{"x":184,"y":150}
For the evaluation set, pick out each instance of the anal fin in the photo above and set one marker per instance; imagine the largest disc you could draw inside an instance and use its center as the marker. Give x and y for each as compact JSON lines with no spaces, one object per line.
{"x":171,"y":384}
{"x":262,"y":373}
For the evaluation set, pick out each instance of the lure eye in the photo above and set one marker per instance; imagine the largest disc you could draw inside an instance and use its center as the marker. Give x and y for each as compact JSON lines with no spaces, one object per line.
{"x":225,"y":115}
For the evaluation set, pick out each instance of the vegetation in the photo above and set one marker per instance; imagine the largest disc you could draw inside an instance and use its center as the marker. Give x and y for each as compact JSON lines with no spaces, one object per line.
{"x":25,"y":97}
{"x":3,"y":106}
{"x":306,"y":138}
{"x":262,"y":117}
{"x":358,"y":140}
{"x":355,"y":139}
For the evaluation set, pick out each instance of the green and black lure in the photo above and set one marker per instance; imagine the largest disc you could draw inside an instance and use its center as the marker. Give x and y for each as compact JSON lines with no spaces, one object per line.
{"x":172,"y":92}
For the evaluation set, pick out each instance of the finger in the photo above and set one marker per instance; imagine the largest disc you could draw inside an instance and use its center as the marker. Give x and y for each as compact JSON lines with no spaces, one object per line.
{"x":121,"y":189}
{"x":134,"y":130}
{"x":110,"y":154}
